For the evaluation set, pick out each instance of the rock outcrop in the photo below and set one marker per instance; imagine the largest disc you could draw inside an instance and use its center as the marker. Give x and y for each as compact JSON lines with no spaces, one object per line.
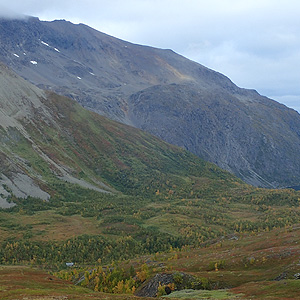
{"x":178,"y":280}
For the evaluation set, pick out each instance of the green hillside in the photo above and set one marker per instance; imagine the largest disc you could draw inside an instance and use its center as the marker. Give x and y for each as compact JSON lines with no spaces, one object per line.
{"x":82,"y":188}
{"x":156,"y":196}
{"x":129,"y":160}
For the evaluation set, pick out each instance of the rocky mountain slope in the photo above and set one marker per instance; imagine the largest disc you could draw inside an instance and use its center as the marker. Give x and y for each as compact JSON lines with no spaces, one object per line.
{"x":48,"y":140}
{"x":160,"y":92}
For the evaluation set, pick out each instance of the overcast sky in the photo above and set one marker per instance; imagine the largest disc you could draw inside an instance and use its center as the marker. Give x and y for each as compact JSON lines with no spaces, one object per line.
{"x":256,"y":43}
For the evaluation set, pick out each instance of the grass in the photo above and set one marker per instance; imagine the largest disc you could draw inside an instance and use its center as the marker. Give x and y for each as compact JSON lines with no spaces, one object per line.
{"x":251,"y":264}
{"x":192,"y":294}
{"x":19,"y":283}
{"x":192,"y":219}
{"x":47,"y":225}
{"x":240,"y":277}
{"x":281,"y":290}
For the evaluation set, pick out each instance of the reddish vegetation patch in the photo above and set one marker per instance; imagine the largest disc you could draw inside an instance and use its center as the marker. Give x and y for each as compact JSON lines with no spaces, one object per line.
{"x":278,"y":290}
{"x":20,"y":283}
{"x":250,"y":263}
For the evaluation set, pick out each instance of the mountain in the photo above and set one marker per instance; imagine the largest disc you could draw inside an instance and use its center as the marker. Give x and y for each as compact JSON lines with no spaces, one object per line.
{"x":97,"y":193}
{"x":47,"y":140}
{"x":161,"y":92}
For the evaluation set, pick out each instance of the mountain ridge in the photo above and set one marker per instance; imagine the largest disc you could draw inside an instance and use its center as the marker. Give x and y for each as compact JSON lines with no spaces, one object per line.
{"x":48,"y":140}
{"x":247,"y":134}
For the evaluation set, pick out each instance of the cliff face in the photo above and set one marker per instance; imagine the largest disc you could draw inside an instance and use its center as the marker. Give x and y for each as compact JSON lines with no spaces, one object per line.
{"x":257,"y":140}
{"x":160,"y":92}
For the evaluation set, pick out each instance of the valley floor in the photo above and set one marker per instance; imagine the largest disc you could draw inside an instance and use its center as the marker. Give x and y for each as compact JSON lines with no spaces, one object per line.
{"x":257,"y":266}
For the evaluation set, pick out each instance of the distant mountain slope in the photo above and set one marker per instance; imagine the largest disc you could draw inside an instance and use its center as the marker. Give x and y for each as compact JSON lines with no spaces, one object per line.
{"x":256,"y":140}
{"x":161,"y":92}
{"x":46,"y":140}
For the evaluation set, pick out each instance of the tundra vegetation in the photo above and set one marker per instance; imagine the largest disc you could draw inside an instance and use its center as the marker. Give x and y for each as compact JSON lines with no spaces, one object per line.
{"x":165,"y":211}
{"x":117,"y":242}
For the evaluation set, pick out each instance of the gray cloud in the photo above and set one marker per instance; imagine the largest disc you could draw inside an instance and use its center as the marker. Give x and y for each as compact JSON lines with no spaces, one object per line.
{"x":255,"y":43}
{"x":8,"y":13}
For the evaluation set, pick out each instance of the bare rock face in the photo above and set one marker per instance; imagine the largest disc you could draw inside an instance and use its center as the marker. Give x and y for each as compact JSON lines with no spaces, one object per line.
{"x":257,"y":140}
{"x":160,"y":92}
{"x":150,"y":288}
{"x":297,"y":276}
{"x":179,"y":280}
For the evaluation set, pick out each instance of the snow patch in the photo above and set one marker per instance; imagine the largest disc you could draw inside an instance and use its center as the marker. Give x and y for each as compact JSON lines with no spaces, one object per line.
{"x":16,"y":55}
{"x":45,"y":44}
{"x":33,"y":62}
